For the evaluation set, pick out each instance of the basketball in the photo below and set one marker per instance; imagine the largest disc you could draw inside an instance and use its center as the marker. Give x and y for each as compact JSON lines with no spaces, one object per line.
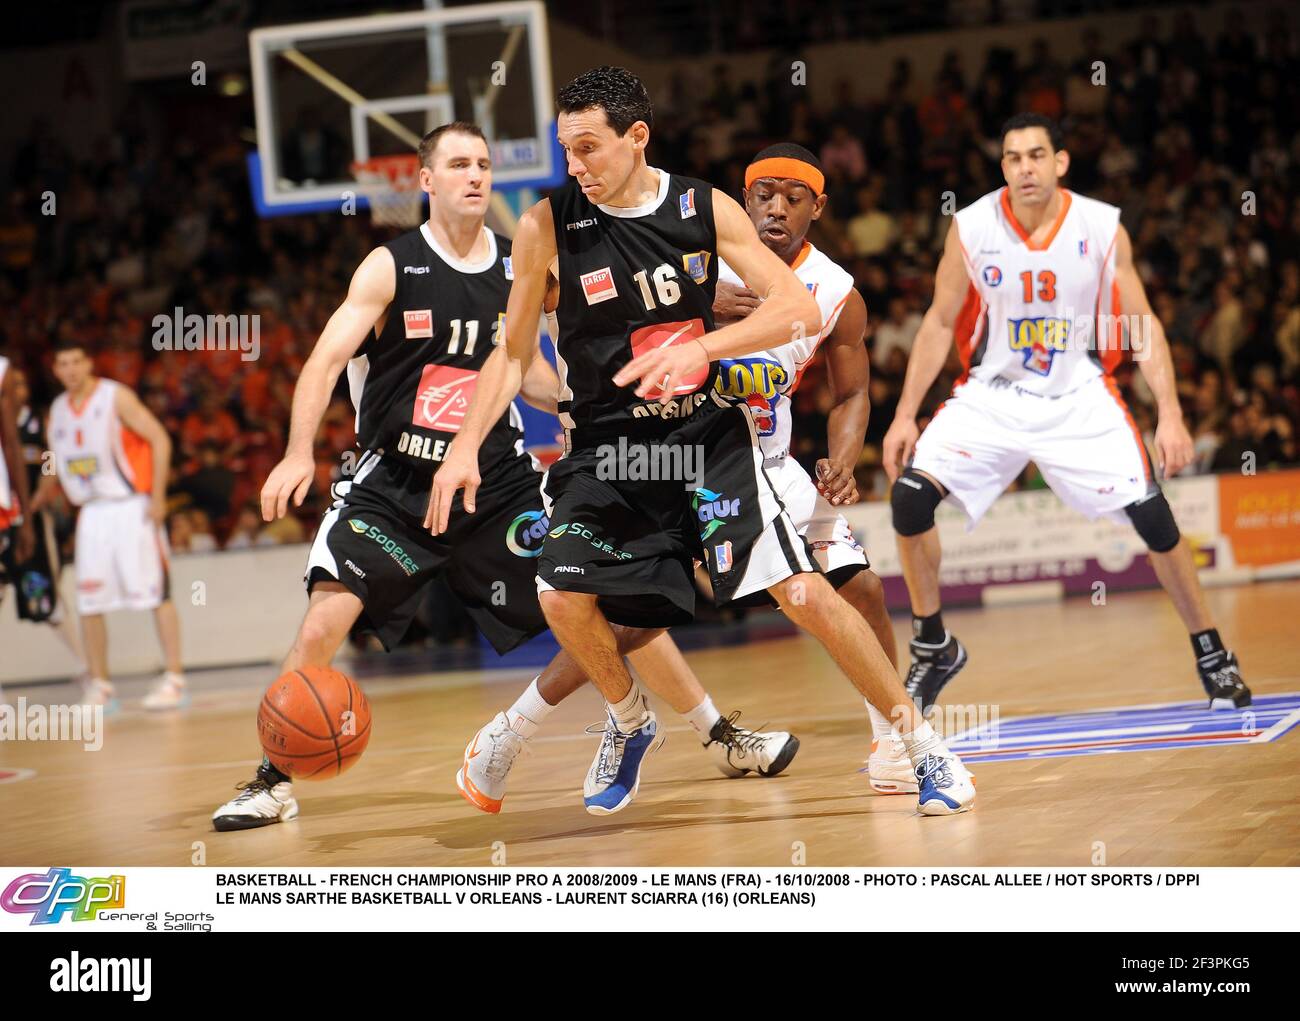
{"x":313,"y":723}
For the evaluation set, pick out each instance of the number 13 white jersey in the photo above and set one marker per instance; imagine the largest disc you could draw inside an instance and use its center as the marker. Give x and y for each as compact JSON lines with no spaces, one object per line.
{"x":1033,"y":312}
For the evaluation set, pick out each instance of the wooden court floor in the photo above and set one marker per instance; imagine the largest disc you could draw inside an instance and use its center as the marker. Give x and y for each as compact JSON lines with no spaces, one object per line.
{"x":146,"y":797}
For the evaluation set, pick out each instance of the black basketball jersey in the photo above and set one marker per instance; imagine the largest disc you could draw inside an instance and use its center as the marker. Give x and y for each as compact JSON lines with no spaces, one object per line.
{"x":412,"y":384}
{"x":631,"y":280}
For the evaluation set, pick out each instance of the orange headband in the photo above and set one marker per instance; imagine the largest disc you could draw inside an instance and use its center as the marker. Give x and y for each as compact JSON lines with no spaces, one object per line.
{"x":788,"y":167}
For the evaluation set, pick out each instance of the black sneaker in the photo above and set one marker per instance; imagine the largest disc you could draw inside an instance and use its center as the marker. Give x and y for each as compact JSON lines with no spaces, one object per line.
{"x":1222,"y":680}
{"x":933,"y":666}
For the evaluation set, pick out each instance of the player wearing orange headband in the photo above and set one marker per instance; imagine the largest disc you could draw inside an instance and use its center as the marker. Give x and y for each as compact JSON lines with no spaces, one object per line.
{"x":783,"y":196}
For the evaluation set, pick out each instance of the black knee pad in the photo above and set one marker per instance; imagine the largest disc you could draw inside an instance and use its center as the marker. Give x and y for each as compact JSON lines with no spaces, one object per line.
{"x":913,"y":500}
{"x":1154,"y":520}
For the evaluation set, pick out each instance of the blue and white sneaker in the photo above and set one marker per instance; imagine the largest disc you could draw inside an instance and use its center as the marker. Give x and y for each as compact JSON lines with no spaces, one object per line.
{"x":947,"y":786}
{"x":615,"y":772}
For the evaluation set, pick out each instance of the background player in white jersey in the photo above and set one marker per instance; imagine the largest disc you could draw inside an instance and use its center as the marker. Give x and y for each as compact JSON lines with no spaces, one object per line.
{"x":28,"y":555}
{"x":1029,"y":278}
{"x":111,"y":457}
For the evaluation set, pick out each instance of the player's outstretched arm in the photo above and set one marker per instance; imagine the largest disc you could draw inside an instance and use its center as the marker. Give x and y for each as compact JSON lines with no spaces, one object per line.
{"x":505,"y":370}
{"x":370,"y":293}
{"x":141,"y":421}
{"x":787,"y":312}
{"x":929,"y":352}
{"x":848,"y":368}
{"x":1174,"y":447}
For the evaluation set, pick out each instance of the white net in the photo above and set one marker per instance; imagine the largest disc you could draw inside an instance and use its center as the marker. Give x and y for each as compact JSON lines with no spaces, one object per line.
{"x":391,"y":184}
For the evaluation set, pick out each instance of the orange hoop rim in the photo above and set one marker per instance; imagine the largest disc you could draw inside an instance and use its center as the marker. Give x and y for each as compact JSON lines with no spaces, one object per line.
{"x":402,"y":171}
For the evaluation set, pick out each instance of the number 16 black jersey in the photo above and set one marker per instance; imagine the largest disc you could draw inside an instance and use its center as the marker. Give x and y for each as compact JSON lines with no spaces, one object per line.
{"x":631,"y":280}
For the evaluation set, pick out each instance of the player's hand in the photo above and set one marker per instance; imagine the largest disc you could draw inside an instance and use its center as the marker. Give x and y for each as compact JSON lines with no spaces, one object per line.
{"x":664,"y":367}
{"x":899,"y":443}
{"x":25,"y":545}
{"x":731,"y":302}
{"x":836,"y":482}
{"x":158,"y":508}
{"x":290,"y":478}
{"x":457,"y":472}
{"x":1173,"y":446}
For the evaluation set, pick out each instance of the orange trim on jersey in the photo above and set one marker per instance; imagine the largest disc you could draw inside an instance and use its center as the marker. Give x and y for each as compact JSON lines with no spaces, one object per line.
{"x":802,"y":256}
{"x":963,"y":330}
{"x":1024,"y":234}
{"x":1112,"y":354}
{"x":1113,"y":387}
{"x":138,"y":468}
{"x":801,"y":369}
{"x":72,"y":405}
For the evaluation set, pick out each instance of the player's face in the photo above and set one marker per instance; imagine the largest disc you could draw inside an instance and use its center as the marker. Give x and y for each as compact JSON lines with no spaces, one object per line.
{"x":460,"y":180}
{"x":1031,"y":167}
{"x":782,"y":209}
{"x":600,"y":159}
{"x":71,"y":368}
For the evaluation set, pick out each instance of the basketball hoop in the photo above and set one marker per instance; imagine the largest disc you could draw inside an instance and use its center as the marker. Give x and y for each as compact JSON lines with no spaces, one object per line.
{"x":392,"y":186}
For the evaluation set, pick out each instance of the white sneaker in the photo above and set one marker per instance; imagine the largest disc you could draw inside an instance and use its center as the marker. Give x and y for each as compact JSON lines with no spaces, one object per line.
{"x":258,"y":803}
{"x":97,"y":691}
{"x":169,"y":692}
{"x":481,"y":778}
{"x":737,"y":751}
{"x":889,"y":770}
{"x":946,"y":785}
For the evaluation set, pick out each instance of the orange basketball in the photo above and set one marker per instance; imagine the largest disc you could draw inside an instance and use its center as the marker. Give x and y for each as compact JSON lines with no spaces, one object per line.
{"x":313,"y":723}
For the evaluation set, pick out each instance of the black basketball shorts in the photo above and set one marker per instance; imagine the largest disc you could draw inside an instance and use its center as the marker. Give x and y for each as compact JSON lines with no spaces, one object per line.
{"x":623,"y":531}
{"x":374,"y":542}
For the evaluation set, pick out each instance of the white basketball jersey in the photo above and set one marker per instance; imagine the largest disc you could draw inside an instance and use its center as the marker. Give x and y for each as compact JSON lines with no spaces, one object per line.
{"x":766,"y":380}
{"x":1032,"y":312}
{"x":7,"y":499}
{"x":96,"y":456}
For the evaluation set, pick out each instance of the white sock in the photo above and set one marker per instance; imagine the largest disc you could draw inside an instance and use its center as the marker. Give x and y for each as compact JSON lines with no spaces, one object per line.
{"x":631,"y":712}
{"x":173,"y":677}
{"x":923,"y":741}
{"x":702,"y":718}
{"x":528,"y":712}
{"x":880,"y":726}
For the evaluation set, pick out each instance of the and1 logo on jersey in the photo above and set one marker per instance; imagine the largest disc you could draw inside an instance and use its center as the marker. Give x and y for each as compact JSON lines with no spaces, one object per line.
{"x":419,"y":323}
{"x":659,"y":335}
{"x":1040,"y":340}
{"x":443,"y":398}
{"x":598,"y":286}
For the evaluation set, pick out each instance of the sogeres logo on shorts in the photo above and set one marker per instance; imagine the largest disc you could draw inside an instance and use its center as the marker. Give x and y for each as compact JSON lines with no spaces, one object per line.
{"x":387,"y":544}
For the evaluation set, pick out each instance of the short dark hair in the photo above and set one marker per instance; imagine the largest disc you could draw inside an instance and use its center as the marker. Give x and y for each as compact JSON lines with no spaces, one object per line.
{"x":71,"y":344}
{"x":616,"y":90}
{"x":429,"y":143}
{"x":1020,"y":121}
{"x":789,"y":151}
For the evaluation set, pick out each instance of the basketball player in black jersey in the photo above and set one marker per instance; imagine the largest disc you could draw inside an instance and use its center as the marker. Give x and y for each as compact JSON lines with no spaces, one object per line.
{"x":635,"y":251}
{"x":418,"y":328}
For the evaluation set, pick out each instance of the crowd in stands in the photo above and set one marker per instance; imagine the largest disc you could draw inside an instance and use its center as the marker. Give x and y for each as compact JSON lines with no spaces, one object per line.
{"x":1193,"y":136}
